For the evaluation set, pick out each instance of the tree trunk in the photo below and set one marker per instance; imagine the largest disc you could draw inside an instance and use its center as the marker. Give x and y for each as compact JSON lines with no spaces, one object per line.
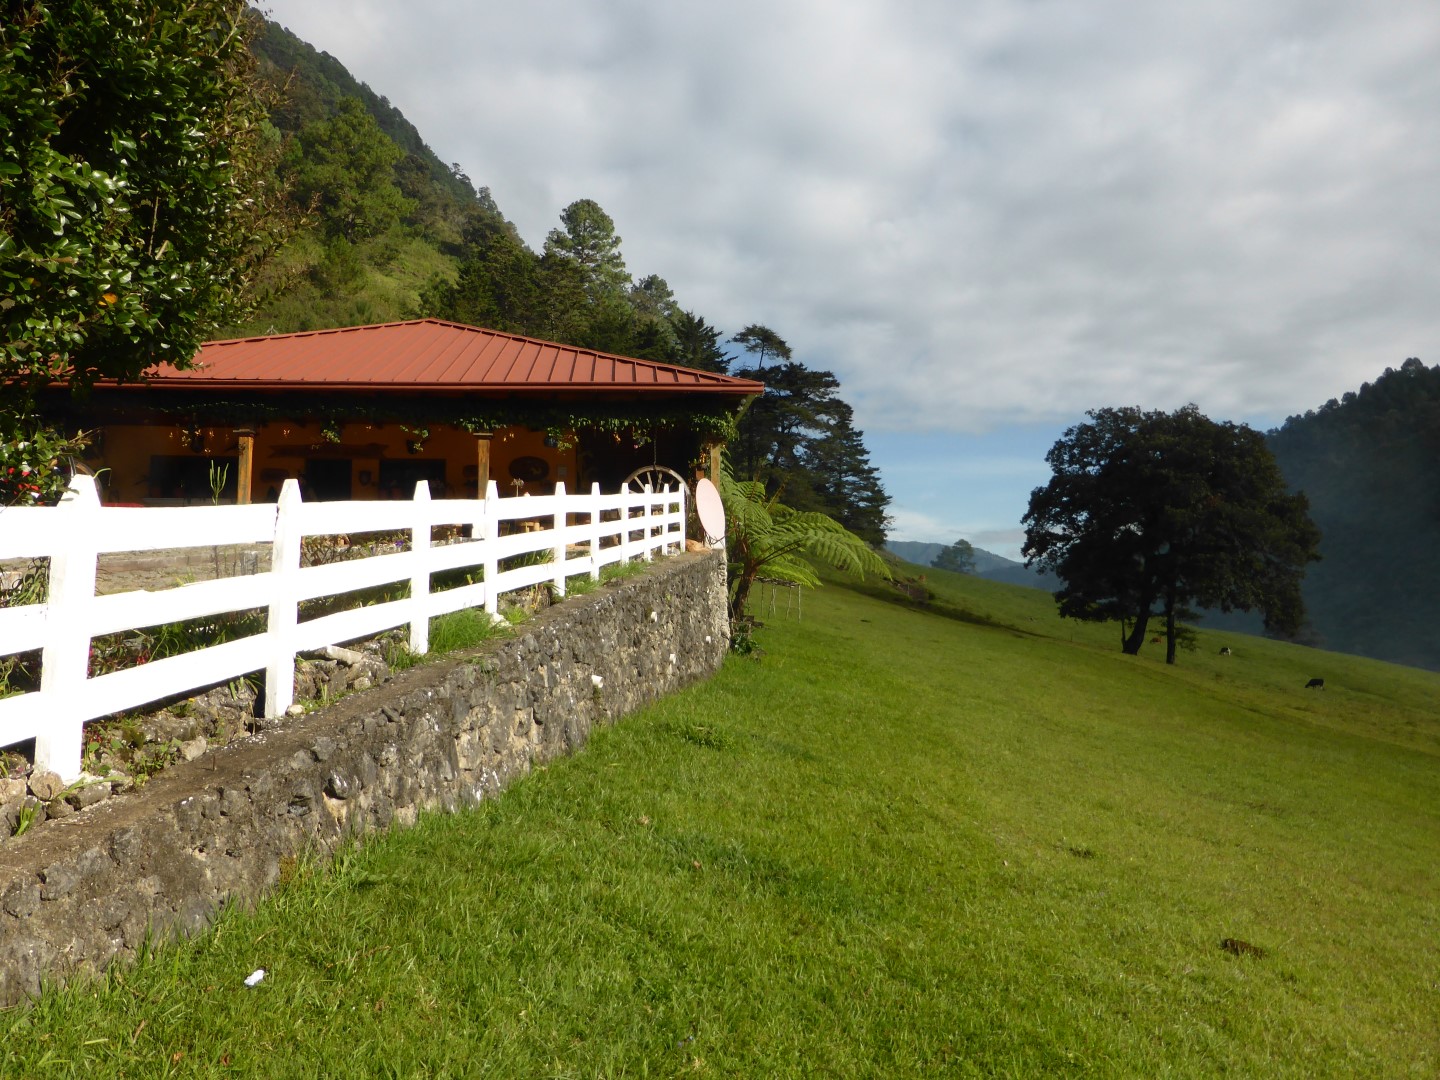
{"x":742,"y":594}
{"x":1132,"y":644}
{"x":1170,"y":629}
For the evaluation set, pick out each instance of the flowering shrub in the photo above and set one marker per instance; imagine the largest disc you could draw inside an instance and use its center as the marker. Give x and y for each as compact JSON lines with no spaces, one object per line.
{"x":33,"y":460}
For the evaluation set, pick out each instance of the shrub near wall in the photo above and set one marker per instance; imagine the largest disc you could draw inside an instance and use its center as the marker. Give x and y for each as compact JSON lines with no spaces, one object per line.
{"x":86,"y":890}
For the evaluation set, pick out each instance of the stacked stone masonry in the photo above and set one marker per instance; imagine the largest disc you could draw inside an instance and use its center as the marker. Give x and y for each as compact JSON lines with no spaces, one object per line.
{"x":84,"y":891}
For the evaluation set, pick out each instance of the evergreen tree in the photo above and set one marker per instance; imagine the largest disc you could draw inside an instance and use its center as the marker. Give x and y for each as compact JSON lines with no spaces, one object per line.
{"x":697,"y":343}
{"x":498,"y":285}
{"x":764,"y":343}
{"x":343,"y":169}
{"x":845,"y":482}
{"x":587,"y":239}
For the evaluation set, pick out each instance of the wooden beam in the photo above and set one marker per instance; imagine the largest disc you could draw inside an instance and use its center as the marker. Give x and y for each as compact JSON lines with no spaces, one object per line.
{"x":482,"y":462}
{"x":245,"y":466}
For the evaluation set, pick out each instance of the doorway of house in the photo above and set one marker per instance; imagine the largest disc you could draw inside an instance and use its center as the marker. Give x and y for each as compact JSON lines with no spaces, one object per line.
{"x":327,"y":479}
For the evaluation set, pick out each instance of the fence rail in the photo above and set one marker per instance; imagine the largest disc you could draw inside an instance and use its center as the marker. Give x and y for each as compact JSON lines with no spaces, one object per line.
{"x":584,"y":533}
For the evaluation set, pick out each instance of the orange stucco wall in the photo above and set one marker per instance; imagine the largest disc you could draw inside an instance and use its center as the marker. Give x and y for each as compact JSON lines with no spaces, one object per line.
{"x":166,"y":463}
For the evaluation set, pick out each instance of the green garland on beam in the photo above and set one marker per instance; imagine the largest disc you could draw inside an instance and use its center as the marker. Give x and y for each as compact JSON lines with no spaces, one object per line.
{"x":636,"y":420}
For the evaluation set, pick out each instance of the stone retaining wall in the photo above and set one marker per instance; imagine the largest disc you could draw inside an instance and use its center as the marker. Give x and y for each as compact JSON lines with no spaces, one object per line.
{"x":83,"y":891}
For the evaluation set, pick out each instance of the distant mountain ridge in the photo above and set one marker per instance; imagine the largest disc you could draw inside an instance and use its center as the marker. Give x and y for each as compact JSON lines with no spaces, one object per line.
{"x":987,"y":563}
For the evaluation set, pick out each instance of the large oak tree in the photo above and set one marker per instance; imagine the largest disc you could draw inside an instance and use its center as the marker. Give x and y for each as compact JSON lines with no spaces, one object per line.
{"x":1150,"y":513}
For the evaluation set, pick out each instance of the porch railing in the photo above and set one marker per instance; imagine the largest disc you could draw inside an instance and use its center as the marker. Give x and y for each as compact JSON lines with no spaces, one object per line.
{"x":575,"y":535}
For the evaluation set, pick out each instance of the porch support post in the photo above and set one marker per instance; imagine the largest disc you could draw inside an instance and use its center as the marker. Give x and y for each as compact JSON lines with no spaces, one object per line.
{"x":482,"y":461}
{"x":245,"y":466}
{"x":716,"y":449}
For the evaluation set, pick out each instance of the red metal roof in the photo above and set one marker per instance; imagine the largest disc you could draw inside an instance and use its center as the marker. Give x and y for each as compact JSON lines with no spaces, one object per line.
{"x":431,"y":356}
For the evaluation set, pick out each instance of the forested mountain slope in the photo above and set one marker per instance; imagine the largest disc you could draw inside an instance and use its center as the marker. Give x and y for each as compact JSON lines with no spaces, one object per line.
{"x":386,"y":231}
{"x":1370,"y":464}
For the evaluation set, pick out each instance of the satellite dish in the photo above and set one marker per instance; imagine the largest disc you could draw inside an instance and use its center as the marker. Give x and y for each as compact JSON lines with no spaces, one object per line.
{"x":710,"y":510}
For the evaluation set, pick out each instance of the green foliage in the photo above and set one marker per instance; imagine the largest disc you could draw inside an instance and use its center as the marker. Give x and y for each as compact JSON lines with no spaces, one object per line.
{"x":958,"y":558}
{"x":697,"y":343}
{"x":133,"y":205}
{"x":35,"y":460}
{"x":497,"y":285}
{"x":1150,"y":510}
{"x":586,"y":240}
{"x":1367,"y":463}
{"x":764,"y":537}
{"x":765,"y":343}
{"x":342,"y":169}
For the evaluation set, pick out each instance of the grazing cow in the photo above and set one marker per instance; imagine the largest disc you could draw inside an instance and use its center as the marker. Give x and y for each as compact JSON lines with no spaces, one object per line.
{"x":1224,"y":650}
{"x":1315,"y":684}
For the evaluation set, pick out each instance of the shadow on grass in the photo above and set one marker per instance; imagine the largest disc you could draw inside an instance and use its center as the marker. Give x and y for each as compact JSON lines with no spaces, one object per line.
{"x":934,"y":605}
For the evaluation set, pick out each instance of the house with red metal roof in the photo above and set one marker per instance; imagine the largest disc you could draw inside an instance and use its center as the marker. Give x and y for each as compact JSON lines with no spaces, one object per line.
{"x":364,"y":412}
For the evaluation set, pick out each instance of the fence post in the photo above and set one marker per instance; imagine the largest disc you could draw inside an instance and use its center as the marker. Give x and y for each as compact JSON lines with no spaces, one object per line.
{"x":684,"y":516}
{"x":491,"y":564}
{"x":561,"y":522}
{"x":283,"y":615}
{"x":420,"y":572}
{"x":649,"y":521}
{"x":65,"y":663}
{"x":595,"y":531}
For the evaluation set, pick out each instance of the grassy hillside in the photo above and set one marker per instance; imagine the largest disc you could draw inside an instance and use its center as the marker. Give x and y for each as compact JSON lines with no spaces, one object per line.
{"x":965,"y":840}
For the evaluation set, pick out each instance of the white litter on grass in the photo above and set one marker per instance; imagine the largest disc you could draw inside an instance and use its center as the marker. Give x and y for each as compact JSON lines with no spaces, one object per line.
{"x":253,"y":979}
{"x":597,"y":681}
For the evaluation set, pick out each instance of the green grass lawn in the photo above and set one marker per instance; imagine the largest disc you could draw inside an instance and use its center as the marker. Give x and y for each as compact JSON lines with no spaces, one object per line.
{"x":968,"y":840}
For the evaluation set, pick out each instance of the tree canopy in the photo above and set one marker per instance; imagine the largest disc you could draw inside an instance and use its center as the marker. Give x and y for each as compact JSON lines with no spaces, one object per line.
{"x":1149,"y":513}
{"x":132,"y":205}
{"x":959,"y":558}
{"x":343,"y":168}
{"x":765,"y":343}
{"x":587,"y":239}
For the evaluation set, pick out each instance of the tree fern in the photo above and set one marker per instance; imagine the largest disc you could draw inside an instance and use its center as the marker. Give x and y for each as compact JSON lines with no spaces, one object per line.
{"x":767,"y":537}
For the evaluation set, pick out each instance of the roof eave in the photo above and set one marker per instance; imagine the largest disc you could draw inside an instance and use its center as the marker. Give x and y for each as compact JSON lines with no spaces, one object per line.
{"x":737,"y":389}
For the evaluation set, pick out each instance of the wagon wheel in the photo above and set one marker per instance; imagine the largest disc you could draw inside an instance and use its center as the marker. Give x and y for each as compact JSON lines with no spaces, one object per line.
{"x":657,"y":476}
{"x":660,"y":476}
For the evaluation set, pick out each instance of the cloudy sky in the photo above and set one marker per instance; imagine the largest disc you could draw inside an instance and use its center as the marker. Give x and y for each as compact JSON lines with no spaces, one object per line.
{"x":985,"y":216}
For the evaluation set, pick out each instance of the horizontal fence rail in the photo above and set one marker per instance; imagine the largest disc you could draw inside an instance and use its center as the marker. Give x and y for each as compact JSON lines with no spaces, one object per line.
{"x":538,"y":539}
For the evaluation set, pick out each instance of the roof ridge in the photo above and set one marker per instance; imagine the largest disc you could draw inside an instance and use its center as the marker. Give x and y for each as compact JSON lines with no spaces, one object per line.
{"x":652,"y":365}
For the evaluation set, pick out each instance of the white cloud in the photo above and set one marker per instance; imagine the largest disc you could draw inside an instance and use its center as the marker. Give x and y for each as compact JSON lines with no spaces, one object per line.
{"x":978,"y":214}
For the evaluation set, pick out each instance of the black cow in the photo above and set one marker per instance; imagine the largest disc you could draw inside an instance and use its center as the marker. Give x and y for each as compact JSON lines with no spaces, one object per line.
{"x":1315,"y":684}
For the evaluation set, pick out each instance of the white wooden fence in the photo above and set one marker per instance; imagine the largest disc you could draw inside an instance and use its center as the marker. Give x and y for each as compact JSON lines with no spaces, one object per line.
{"x":578,"y":540}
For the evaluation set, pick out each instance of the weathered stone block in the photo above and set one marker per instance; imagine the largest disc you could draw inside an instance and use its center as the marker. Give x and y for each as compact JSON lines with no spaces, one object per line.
{"x":46,"y":785}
